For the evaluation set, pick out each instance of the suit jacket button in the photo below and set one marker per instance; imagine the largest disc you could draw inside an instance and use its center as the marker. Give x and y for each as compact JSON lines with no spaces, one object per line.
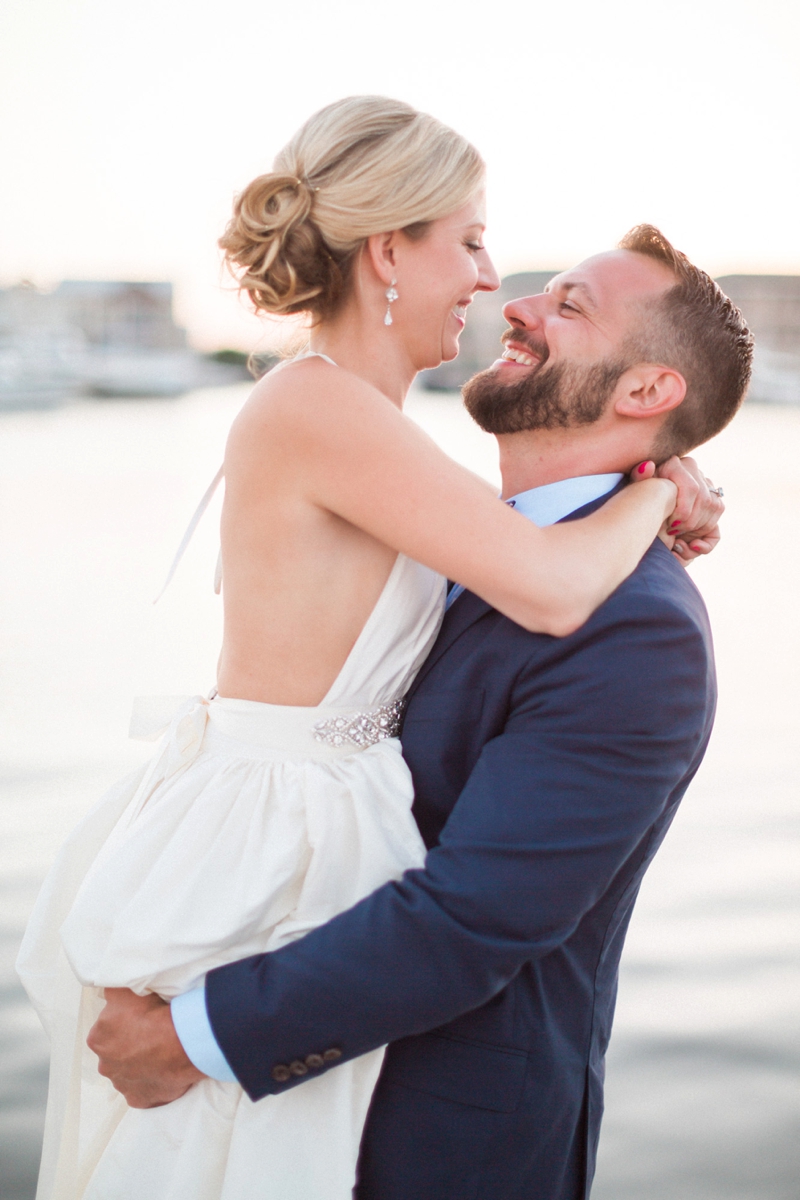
{"x":331,"y":1055}
{"x":315,"y":1061}
{"x":298,"y":1067}
{"x":280,"y":1073}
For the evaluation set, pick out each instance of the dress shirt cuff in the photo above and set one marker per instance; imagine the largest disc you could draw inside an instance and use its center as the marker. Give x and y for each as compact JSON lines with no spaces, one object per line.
{"x":194,"y":1032}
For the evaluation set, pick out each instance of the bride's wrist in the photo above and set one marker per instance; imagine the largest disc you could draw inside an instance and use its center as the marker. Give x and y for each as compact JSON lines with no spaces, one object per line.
{"x":644,"y":475}
{"x":670,"y":496}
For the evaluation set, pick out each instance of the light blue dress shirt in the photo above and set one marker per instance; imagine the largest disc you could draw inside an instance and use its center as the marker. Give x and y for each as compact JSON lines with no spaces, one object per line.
{"x":544,"y":506}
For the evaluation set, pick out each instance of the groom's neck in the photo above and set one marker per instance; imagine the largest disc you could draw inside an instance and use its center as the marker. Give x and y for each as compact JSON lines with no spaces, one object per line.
{"x":533,"y":458}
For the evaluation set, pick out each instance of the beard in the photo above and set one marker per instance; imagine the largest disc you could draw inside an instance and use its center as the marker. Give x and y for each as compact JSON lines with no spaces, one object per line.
{"x":554,"y":397}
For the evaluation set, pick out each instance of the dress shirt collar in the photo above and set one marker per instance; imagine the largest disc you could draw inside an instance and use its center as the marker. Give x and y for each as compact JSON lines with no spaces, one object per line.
{"x":551,"y":502}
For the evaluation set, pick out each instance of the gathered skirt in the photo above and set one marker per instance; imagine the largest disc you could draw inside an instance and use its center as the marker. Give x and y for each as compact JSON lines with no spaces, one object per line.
{"x":246,"y":831}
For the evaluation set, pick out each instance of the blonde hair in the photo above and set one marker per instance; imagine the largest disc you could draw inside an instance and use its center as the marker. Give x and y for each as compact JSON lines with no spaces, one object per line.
{"x":361,"y":166}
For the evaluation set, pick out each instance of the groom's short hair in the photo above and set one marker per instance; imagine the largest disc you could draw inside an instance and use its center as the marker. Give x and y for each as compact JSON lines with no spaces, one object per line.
{"x":696,"y":329}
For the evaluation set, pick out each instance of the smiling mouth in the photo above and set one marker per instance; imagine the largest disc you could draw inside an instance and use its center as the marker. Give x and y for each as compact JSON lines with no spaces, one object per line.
{"x":521,"y":353}
{"x":511,"y":354}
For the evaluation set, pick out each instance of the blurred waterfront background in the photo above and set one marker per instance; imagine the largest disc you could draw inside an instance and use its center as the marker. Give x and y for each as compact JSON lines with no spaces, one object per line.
{"x":125,"y":130}
{"x":704,"y":1069}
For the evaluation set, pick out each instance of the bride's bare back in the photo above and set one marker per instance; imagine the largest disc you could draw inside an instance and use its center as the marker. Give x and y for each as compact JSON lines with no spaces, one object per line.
{"x":299,"y":581}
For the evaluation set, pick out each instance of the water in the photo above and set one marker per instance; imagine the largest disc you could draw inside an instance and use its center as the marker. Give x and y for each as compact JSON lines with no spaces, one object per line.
{"x":703,"y":1099}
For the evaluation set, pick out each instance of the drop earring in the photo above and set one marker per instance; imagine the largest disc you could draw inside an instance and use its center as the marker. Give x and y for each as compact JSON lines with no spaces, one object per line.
{"x":391,"y":296}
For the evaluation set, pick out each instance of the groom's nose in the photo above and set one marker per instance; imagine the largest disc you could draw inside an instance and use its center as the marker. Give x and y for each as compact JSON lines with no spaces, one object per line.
{"x":528,"y":312}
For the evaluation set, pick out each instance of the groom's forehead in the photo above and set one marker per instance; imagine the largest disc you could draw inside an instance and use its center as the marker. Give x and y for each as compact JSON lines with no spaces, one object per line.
{"x":613,"y":280}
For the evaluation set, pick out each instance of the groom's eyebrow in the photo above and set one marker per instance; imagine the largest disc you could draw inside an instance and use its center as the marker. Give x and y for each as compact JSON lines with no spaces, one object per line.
{"x":569,"y":285}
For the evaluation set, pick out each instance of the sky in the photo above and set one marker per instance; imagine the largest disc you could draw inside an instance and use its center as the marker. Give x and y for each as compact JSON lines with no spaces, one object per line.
{"x":126,"y":128}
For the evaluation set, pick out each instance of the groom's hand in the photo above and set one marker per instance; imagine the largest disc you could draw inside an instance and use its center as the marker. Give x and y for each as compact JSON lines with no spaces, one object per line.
{"x":139,"y":1050}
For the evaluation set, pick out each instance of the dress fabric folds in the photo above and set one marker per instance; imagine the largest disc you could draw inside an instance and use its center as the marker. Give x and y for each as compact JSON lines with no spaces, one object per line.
{"x":253,"y":824}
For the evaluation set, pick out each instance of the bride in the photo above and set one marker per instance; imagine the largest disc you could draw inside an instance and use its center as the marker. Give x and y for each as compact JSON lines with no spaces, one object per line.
{"x":283,"y":798}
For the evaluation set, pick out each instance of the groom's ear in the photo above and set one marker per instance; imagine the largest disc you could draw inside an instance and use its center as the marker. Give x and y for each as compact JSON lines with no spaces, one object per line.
{"x":649,"y":390}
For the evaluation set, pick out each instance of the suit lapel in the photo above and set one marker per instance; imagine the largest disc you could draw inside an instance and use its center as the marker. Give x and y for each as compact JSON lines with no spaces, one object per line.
{"x":466,"y":610}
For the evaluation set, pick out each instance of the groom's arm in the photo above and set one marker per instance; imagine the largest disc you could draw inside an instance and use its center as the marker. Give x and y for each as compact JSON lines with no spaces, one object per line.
{"x":552,"y":809}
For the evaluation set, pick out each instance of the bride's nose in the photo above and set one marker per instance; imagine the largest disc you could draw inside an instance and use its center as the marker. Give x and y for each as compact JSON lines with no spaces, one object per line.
{"x":488,"y":279}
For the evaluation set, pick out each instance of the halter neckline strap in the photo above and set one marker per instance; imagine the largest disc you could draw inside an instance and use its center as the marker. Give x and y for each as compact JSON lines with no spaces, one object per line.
{"x":209,"y":494}
{"x":312,"y":354}
{"x":187,"y":537}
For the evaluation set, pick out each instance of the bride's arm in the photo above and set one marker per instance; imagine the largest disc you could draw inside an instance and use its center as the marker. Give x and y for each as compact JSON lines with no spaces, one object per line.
{"x":352,"y":452}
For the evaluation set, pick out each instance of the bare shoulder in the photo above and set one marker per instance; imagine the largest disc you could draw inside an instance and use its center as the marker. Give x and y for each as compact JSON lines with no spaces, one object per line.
{"x":307,"y":402}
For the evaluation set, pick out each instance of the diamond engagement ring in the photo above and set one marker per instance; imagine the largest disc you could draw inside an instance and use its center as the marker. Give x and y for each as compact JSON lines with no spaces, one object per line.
{"x":718,"y":491}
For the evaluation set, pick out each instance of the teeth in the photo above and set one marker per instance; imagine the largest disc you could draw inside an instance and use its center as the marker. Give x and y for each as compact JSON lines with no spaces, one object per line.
{"x":525,"y":360}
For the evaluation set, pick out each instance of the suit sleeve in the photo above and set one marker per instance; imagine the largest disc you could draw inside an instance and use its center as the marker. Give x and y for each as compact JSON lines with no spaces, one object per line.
{"x":595,"y":744}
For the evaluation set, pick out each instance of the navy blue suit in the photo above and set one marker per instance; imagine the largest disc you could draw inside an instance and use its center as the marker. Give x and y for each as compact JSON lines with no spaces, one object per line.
{"x":547,"y":772}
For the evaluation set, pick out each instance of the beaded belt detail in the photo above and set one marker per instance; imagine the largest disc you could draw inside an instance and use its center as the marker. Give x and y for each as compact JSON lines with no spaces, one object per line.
{"x":364,"y":728}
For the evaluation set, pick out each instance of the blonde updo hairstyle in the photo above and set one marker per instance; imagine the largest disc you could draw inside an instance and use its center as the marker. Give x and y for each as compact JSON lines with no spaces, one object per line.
{"x":361,"y":166}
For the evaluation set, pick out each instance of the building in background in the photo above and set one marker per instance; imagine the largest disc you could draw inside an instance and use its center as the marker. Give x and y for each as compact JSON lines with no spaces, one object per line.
{"x":771,"y":306}
{"x":114,"y":313}
{"x":41,"y":356}
{"x":770,"y":303}
{"x":96,"y":337}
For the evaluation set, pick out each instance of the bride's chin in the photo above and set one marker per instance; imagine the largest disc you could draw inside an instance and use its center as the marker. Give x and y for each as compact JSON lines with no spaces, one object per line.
{"x":450,"y":349}
{"x":429,"y":358}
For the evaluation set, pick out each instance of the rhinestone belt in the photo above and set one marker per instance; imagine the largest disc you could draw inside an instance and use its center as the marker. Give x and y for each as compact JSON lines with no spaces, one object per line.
{"x":364,"y":728}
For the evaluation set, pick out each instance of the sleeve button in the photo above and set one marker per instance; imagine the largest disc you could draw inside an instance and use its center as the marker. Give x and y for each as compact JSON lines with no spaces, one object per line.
{"x":315,"y":1061}
{"x":298,"y":1067}
{"x":280,"y":1073}
{"x":331,"y":1055}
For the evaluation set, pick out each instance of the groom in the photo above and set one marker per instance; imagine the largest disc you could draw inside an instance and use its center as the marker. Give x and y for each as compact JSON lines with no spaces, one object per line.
{"x":547,"y":772}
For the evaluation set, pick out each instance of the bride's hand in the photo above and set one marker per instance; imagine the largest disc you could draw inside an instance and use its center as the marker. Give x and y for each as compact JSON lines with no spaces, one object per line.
{"x":693,"y":528}
{"x":692,"y":547}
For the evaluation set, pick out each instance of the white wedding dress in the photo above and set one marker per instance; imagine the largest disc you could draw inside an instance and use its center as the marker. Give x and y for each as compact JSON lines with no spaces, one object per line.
{"x":253,"y":824}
